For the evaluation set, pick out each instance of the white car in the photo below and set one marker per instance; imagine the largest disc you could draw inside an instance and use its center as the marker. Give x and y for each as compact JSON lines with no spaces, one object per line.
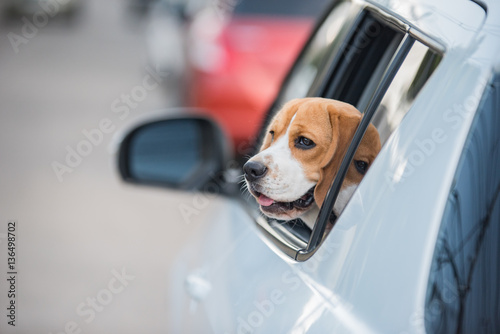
{"x":417,"y":247}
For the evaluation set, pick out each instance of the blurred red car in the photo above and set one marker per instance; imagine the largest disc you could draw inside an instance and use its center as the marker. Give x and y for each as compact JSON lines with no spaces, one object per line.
{"x":236,"y":64}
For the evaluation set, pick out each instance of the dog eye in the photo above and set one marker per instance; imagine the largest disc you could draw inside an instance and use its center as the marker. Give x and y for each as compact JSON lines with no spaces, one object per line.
{"x":304,"y":143}
{"x":361,"y":166}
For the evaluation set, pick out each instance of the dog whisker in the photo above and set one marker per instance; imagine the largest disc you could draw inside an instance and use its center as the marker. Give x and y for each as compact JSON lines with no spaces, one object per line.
{"x":248,"y":196}
{"x":244,"y":188}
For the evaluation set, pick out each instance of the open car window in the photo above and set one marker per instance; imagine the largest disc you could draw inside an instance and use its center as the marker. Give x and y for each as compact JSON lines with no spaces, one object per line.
{"x":326,"y":40}
{"x":359,"y":56}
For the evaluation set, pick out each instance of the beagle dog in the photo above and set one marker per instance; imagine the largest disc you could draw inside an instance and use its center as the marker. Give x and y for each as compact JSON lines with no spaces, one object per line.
{"x":301,"y":154}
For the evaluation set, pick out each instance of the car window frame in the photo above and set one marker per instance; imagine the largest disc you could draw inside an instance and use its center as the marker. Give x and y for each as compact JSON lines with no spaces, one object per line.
{"x":289,"y":243}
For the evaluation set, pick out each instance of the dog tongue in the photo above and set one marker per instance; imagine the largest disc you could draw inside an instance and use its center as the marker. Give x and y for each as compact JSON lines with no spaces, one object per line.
{"x":265,"y":201}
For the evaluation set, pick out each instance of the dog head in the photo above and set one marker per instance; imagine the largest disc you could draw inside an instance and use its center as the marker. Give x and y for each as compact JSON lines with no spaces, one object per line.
{"x":301,"y":154}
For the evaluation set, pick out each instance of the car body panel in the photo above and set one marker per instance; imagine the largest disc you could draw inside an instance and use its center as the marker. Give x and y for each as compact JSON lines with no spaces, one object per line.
{"x":236,"y":283}
{"x":371,"y":273}
{"x":451,"y":23}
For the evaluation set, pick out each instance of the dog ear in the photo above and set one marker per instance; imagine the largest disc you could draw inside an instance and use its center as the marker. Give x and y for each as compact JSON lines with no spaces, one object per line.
{"x":344,"y":119}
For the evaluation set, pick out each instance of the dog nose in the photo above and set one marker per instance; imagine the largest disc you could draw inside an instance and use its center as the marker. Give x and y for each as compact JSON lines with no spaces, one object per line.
{"x":254,"y":170}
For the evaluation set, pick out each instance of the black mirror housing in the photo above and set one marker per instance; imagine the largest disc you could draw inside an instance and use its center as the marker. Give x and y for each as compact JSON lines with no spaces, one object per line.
{"x":179,"y":152}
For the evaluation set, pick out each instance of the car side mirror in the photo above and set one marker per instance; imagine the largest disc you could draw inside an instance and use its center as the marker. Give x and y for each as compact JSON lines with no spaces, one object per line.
{"x":183,"y":152}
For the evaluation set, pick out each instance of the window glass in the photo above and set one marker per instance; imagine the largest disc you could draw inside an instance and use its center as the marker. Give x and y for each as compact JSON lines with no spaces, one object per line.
{"x":463,"y":293}
{"x":363,"y":61}
{"x":411,"y":77}
{"x":327,"y":38}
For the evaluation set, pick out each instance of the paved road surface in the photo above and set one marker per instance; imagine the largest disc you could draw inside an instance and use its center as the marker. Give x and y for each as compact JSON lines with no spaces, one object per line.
{"x":80,"y":241}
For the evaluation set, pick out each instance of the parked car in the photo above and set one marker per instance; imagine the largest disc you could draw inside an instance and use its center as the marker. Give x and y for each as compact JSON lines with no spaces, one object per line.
{"x":416,"y":248}
{"x":238,"y":57}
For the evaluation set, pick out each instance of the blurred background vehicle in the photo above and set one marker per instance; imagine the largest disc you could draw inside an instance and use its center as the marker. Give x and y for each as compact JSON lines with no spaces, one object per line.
{"x":17,"y":8}
{"x":238,"y":54}
{"x":141,"y":7}
{"x":166,"y":25}
{"x":165,"y":40}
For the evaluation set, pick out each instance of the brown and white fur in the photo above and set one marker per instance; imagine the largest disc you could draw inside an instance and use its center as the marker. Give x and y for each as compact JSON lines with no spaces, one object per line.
{"x":301,"y":154}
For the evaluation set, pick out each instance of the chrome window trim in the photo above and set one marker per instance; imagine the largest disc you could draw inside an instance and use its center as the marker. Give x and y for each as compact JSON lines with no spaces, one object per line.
{"x":395,"y":20}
